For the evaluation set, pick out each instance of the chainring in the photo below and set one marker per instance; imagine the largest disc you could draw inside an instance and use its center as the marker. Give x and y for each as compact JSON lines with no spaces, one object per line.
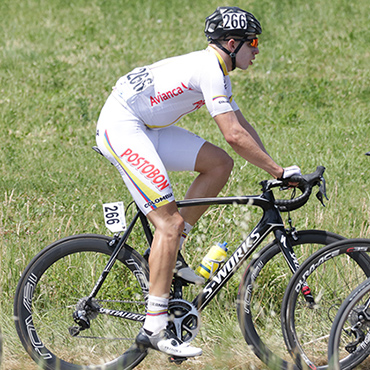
{"x":184,"y":319}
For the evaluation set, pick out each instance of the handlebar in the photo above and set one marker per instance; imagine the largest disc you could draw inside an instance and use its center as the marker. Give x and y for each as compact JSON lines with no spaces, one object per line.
{"x":305,"y":183}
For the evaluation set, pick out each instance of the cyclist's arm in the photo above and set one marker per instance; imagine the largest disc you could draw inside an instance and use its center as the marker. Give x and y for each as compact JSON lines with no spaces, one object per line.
{"x":246,"y":143}
{"x":250,"y":129}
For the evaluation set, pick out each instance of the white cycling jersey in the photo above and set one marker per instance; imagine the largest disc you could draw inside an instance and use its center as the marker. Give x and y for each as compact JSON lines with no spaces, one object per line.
{"x":135,"y":130}
{"x":161,"y":93}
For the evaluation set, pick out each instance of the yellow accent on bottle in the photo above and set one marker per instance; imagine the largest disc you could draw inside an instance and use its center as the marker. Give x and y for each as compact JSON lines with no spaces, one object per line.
{"x":212,"y":260}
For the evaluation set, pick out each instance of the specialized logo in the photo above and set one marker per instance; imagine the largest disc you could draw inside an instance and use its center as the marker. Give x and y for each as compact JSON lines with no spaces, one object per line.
{"x":123,"y":314}
{"x":161,"y":97}
{"x":142,"y":165}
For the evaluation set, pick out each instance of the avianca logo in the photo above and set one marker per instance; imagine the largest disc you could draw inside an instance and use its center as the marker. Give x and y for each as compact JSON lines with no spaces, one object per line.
{"x":161,"y":97}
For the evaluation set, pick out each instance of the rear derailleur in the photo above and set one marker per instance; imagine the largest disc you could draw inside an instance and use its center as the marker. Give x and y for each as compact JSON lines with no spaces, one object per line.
{"x":87,"y":309}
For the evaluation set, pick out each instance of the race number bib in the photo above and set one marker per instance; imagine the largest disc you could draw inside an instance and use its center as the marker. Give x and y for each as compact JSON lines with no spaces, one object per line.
{"x":234,"y":21}
{"x":139,"y":79}
{"x":114,"y":216}
{"x":134,"y":83}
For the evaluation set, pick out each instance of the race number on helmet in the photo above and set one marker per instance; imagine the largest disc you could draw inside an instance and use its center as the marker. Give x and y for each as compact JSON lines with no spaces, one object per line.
{"x":231,"y":21}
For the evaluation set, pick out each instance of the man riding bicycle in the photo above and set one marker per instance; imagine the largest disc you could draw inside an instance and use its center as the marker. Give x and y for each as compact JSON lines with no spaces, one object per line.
{"x":136,"y":132}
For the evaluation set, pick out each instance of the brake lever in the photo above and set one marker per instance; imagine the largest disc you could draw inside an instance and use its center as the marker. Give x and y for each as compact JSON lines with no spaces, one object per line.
{"x":283,"y":188}
{"x":322,"y":191}
{"x":269,"y":184}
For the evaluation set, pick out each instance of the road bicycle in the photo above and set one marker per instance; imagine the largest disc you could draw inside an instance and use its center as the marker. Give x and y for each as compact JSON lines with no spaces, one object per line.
{"x":80,"y":302}
{"x":331,"y":274}
{"x":350,"y":333}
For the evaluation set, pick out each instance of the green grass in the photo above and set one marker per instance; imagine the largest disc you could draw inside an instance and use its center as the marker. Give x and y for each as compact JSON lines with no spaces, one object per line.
{"x":307,"y":95}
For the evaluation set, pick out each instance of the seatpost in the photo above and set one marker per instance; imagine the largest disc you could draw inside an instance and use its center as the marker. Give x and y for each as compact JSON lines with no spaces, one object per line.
{"x":177,"y":286}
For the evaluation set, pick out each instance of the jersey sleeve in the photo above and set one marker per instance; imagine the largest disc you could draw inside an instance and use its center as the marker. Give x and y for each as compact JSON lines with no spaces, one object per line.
{"x":216,"y":88}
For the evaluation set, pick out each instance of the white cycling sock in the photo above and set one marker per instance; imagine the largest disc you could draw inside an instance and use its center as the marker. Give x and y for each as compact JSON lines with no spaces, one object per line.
{"x":185,"y":233}
{"x":156,"y":317}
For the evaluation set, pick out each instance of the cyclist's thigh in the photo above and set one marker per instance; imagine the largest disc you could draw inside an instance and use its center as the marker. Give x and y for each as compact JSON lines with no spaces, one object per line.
{"x":178,"y":148}
{"x":123,"y":139}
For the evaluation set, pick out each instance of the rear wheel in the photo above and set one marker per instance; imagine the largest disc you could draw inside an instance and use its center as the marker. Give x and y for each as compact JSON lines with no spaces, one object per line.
{"x":55,"y":286}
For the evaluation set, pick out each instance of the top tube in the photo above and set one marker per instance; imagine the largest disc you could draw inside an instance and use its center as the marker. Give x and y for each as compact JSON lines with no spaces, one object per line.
{"x":266,"y":200}
{"x":251,"y":200}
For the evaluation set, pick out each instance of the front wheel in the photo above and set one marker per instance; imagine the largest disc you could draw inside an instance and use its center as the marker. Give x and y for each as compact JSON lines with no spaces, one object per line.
{"x":261,"y":292}
{"x":331,"y":274}
{"x":53,"y":288}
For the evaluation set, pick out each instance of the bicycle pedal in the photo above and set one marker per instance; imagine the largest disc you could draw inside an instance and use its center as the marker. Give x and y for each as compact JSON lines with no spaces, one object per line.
{"x":177,"y":360}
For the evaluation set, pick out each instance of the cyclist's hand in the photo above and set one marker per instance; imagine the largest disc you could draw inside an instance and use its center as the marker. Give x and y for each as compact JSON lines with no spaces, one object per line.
{"x":291,"y":171}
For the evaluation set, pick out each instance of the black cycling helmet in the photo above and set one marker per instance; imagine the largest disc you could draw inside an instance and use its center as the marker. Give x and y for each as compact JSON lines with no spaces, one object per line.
{"x":229,"y":21}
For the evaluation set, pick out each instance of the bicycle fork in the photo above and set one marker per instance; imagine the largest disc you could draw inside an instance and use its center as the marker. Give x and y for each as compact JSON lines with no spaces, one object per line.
{"x":292,"y":260}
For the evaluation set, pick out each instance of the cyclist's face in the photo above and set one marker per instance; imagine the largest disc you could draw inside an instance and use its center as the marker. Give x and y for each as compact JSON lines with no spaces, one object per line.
{"x":246,"y":55}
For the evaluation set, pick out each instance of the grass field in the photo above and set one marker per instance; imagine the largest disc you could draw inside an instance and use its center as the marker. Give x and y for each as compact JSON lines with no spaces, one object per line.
{"x":307,"y":95}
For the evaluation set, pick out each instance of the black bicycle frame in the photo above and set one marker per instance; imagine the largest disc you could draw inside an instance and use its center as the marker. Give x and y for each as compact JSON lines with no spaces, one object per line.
{"x":271,"y":221}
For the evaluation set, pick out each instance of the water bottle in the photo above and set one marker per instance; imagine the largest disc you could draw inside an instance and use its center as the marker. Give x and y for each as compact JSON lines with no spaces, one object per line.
{"x":212,"y":260}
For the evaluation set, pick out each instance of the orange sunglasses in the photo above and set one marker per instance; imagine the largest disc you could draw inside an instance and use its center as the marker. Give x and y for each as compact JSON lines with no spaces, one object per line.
{"x":253,"y":42}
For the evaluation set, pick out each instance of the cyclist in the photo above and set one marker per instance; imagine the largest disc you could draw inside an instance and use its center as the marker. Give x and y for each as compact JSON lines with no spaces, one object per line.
{"x":136,"y":132}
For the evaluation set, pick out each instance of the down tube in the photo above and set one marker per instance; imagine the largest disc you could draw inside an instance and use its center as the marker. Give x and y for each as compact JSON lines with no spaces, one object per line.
{"x":246,"y":248}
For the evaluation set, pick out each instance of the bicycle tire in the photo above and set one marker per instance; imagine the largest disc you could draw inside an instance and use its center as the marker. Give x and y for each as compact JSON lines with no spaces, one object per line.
{"x":259,"y":317}
{"x":331,"y":273}
{"x":47,"y":294}
{"x":341,"y":336}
